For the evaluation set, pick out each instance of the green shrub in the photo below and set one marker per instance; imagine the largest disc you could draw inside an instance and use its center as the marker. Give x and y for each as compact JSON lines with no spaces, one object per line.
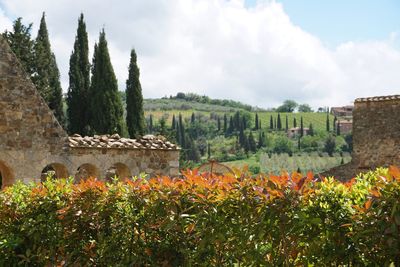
{"x":198,"y":220}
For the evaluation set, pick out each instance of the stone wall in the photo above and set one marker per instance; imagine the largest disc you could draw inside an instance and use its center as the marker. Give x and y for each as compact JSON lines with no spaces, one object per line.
{"x":376,"y":131}
{"x":376,"y":136}
{"x":32,"y":140}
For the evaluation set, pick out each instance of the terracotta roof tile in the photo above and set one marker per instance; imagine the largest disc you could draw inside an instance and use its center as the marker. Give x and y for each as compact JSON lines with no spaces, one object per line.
{"x":377,"y":98}
{"x":115,"y":141}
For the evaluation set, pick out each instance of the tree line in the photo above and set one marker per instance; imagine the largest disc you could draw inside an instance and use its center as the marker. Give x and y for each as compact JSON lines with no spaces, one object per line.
{"x":94,"y":105}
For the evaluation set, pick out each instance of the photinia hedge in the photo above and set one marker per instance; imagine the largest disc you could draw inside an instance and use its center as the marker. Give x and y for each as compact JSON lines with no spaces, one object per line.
{"x":203,"y":220}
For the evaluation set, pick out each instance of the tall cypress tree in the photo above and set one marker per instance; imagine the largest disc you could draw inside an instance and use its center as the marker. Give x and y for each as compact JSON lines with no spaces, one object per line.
{"x":20,"y":42}
{"x":182,"y":136}
{"x":287,"y":124}
{"x":150,"y":126}
{"x":327,"y":122}
{"x":294,"y":123}
{"x":192,"y":118}
{"x":279,"y":122}
{"x":225,"y":123}
{"x":134,"y":100}
{"x":271,"y":123}
{"x":219,"y":124}
{"x":173,"y":124}
{"x":256,"y":126}
{"x":79,"y":82}
{"x":252,"y":143}
{"x":46,"y":74}
{"x":56,"y":102}
{"x":334,"y":123}
{"x":106,"y":112}
{"x":311,"y":130}
{"x":301,"y":126}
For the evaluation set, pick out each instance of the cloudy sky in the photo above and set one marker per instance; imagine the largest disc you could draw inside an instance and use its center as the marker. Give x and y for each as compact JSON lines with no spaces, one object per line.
{"x":260,"y":52}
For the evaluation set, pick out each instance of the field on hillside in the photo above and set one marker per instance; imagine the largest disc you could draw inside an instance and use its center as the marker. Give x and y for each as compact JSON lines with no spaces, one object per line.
{"x":276,"y":163}
{"x":318,"y":120}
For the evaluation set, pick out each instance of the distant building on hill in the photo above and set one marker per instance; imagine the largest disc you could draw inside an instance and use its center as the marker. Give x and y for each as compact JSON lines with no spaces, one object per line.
{"x":345,"y":111}
{"x":345,"y":126}
{"x":292,"y":132}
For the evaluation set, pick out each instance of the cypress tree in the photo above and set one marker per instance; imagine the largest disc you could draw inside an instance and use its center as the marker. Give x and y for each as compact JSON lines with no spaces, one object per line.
{"x":56,"y":102}
{"x":271,"y":123}
{"x":334,"y":123}
{"x":134,"y":99}
{"x":244,"y":124}
{"x":46,"y":74}
{"x":286,"y":124}
{"x":79,"y":82}
{"x":260,"y":140}
{"x":219,"y":124}
{"x":173,"y":124}
{"x":193,"y":118}
{"x":294,"y":123}
{"x":256,"y":127}
{"x":231,"y":126}
{"x":208,"y":151}
{"x":182,"y":136}
{"x":150,"y":127}
{"x":236,"y":121}
{"x":279,"y":123}
{"x":301,"y":127}
{"x":252,"y":143}
{"x":311,"y":130}
{"x":20,"y":42}
{"x":106,"y":111}
{"x":225,"y":123}
{"x":327,"y":122}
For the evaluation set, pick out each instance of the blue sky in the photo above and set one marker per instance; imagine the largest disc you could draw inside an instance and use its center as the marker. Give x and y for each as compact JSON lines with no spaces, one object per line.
{"x":339,"y":21}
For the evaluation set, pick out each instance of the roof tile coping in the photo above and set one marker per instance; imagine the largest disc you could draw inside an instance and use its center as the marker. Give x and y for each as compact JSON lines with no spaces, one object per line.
{"x":147,"y":142}
{"x":377,"y":98}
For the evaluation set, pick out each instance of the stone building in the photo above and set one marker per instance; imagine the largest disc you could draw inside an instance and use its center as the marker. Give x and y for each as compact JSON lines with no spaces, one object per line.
{"x":345,"y":126}
{"x":376,"y":136}
{"x":345,"y":111}
{"x":32,"y":141}
{"x":296,"y":131}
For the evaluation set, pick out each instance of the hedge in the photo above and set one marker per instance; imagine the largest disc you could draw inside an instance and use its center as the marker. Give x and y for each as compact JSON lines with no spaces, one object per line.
{"x":202,"y":220}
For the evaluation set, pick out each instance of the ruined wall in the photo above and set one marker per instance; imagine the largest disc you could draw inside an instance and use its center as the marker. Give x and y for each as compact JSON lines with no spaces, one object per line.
{"x":26,"y":122}
{"x":376,"y":132}
{"x":32,"y":140}
{"x":29,"y":132}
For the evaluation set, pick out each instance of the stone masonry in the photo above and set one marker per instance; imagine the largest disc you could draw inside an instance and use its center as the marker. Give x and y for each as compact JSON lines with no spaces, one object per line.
{"x":32,"y":141}
{"x":376,"y":136}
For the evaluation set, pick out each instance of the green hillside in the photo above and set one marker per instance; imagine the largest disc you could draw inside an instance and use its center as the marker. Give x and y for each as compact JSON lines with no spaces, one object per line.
{"x":167,"y":107}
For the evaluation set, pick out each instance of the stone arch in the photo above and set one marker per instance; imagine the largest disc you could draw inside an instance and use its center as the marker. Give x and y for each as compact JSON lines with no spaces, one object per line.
{"x":118,"y":169}
{"x":6,"y":175}
{"x":85,"y":171}
{"x":56,"y":170}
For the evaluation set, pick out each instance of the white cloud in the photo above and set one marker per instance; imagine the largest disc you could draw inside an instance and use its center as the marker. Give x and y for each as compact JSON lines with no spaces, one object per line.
{"x":221,"y":49}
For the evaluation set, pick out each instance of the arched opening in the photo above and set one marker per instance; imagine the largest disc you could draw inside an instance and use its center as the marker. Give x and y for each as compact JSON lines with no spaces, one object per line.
{"x":119,"y":170}
{"x":6,"y":175}
{"x":54,"y":170}
{"x":85,"y":171}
